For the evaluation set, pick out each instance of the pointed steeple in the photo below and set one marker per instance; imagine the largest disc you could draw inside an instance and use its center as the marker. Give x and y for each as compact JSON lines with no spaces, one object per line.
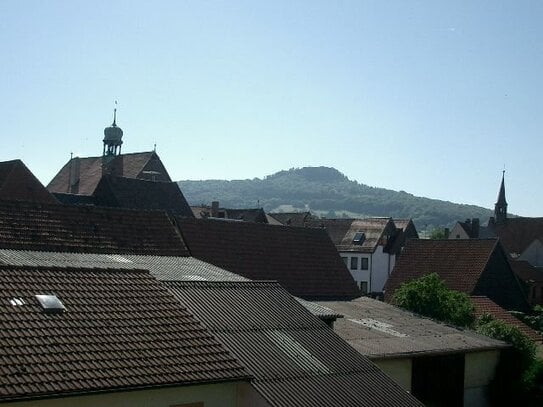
{"x":500,"y":209}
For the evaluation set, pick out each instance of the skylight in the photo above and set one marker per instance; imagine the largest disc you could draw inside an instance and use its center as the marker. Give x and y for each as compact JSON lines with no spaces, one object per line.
{"x":359,"y":238}
{"x":16,"y":301}
{"x":50,"y":303}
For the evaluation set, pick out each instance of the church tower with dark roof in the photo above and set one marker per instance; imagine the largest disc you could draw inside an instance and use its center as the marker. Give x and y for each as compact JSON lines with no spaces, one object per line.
{"x":500,"y":209}
{"x":113,"y":138}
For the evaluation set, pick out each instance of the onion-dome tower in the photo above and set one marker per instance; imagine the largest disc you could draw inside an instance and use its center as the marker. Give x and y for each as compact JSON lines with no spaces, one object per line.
{"x":113,"y":138}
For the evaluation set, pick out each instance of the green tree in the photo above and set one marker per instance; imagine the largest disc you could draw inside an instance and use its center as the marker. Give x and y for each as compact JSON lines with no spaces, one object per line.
{"x":519,"y":375}
{"x":438,"y":233}
{"x":428,"y":296}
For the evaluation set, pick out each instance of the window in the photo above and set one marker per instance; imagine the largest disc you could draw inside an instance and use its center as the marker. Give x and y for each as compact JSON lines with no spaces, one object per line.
{"x":364,"y":263}
{"x":354,"y":263}
{"x":364,"y":287}
{"x":359,"y":238}
{"x":345,"y":260}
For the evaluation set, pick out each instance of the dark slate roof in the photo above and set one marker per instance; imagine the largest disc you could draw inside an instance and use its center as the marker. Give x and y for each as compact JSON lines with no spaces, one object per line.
{"x":90,"y":171}
{"x":292,"y":218}
{"x":18,"y":183}
{"x":248,"y":215}
{"x":380,"y":330}
{"x":161,"y":267}
{"x":343,"y":231}
{"x":135,"y":193}
{"x":74,"y":199}
{"x":484,"y":305}
{"x":459,"y":262}
{"x":295,"y":359}
{"x":527,"y":272}
{"x":516,"y":234}
{"x":120,"y":330}
{"x":303,"y":260}
{"x":30,"y":226}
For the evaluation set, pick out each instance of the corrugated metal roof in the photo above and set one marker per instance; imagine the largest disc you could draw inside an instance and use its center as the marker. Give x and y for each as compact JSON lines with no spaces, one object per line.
{"x":295,"y":358}
{"x":380,"y":330}
{"x":161,"y":267}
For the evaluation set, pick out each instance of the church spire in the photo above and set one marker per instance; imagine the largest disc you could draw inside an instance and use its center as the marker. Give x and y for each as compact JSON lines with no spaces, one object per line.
{"x":500,"y":209}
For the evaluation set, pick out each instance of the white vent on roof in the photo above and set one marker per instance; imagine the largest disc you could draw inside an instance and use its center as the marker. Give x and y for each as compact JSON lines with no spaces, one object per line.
{"x":379,"y":326}
{"x":16,"y":301}
{"x":118,"y":258}
{"x":50,"y":303}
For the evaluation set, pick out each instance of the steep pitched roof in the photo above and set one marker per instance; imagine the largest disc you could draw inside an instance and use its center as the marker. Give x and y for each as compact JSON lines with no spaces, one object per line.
{"x":292,"y":218}
{"x":18,"y":183}
{"x":32,"y":226}
{"x":459,"y":263}
{"x":516,"y":234}
{"x":472,"y":266}
{"x":120,"y":330}
{"x":87,"y":171}
{"x":296,"y":360}
{"x":343,"y":232}
{"x":135,"y":193}
{"x":380,"y":330}
{"x":303,"y":260}
{"x":484,"y":305}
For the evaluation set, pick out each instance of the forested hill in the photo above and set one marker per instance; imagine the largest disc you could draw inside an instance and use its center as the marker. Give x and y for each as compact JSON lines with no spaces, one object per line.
{"x":326,"y":191}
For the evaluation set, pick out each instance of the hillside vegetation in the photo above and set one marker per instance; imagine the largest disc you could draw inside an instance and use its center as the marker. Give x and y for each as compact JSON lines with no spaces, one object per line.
{"x":327,"y":192}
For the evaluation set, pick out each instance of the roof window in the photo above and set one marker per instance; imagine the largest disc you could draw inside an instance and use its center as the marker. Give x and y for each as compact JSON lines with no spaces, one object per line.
{"x":17,"y":301}
{"x":359,"y":238}
{"x":50,"y":304}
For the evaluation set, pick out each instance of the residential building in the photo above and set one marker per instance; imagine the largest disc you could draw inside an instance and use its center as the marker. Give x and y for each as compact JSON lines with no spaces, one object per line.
{"x":437,"y":363}
{"x":295,"y":359}
{"x":367,"y":246}
{"x":87,"y":337}
{"x":215,"y":211}
{"x":472,"y":266}
{"x":292,"y":218}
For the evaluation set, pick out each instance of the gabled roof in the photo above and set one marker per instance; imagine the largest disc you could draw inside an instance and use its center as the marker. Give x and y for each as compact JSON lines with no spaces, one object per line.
{"x":89,"y":171}
{"x":248,"y":215}
{"x":380,"y":330}
{"x":295,"y":359}
{"x":292,"y":218}
{"x":343,"y":232}
{"x":484,"y":305}
{"x":459,"y":263}
{"x":516,"y":234}
{"x":18,"y":183}
{"x":303,"y":260}
{"x":136,"y":193}
{"x":121,"y":330}
{"x":31,"y":226}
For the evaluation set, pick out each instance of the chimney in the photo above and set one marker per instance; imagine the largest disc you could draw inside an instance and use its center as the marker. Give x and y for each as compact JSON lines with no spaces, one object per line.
{"x":475,"y":228}
{"x":215,"y":209}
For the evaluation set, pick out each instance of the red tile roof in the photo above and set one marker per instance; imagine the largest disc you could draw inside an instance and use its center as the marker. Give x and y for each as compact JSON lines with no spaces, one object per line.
{"x":484,"y":305}
{"x":31,"y":226}
{"x":90,"y":171}
{"x":516,"y":234}
{"x":303,"y":260}
{"x":18,"y":183}
{"x":135,"y":193}
{"x":459,"y":263}
{"x":120,"y":330}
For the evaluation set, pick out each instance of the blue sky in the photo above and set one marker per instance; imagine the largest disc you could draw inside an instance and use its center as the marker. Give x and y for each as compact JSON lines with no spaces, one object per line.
{"x":429,"y":97}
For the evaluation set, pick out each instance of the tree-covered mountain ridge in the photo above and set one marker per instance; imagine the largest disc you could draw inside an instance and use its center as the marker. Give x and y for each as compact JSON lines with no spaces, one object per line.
{"x":327,"y":192}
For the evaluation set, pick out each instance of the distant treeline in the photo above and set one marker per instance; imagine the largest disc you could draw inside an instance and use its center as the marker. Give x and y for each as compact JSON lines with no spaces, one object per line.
{"x":327,"y":192}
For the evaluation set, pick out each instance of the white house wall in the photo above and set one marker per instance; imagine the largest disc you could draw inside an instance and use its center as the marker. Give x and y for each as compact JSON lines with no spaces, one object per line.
{"x":380,"y":264}
{"x":399,"y":370}
{"x":458,"y":232}
{"x":478,"y":373}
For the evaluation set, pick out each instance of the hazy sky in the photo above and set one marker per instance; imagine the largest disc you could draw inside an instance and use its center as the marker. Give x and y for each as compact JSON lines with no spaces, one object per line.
{"x":431,"y":97}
